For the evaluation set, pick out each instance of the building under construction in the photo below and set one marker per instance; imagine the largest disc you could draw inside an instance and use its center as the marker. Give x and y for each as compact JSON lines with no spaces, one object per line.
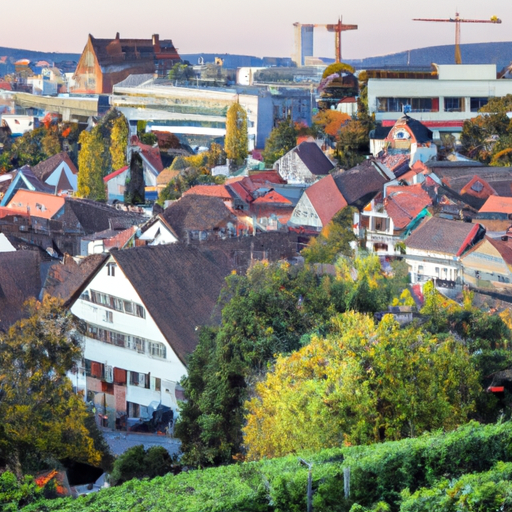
{"x":304,"y":40}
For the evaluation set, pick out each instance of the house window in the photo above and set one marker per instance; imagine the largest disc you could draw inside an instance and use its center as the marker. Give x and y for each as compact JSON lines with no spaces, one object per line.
{"x":139,"y":311}
{"x":454,"y":104}
{"x":477,"y":103}
{"x":156,"y":349}
{"x":109,"y":317}
{"x":111,"y":268}
{"x":125,"y":306}
{"x":437,"y":271}
{"x":134,"y":378}
{"x":381,"y":224}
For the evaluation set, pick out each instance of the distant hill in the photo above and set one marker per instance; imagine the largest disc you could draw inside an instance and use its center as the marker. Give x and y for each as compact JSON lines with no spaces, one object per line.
{"x":14,"y":54}
{"x":474,"y":53}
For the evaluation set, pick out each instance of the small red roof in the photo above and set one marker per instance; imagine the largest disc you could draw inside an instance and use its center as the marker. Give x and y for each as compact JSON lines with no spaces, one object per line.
{"x":107,"y":178}
{"x":497,"y":204}
{"x":272,"y":197}
{"x":478,"y":187}
{"x":404,"y":204}
{"x":209,"y":190}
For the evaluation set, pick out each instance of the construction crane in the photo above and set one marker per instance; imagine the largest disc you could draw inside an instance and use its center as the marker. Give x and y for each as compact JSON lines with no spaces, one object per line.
{"x":458,"y":21}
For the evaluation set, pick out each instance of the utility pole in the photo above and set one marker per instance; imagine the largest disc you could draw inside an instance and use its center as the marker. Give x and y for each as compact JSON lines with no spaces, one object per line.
{"x":309,"y":465}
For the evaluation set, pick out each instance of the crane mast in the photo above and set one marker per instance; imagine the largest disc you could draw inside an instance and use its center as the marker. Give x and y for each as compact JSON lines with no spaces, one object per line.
{"x":457,"y":20}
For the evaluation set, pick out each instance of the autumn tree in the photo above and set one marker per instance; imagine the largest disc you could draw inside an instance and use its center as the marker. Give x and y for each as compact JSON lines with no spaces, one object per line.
{"x":282,"y":139}
{"x":353,"y":144}
{"x":334,"y":239}
{"x":50,"y":143}
{"x":236,"y":142}
{"x":42,"y":419}
{"x":330,"y":122}
{"x":119,"y":142}
{"x":363,"y":383}
{"x":91,"y":166}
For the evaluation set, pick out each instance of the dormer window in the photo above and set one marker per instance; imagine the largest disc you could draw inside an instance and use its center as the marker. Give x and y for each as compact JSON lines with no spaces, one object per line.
{"x":111,"y":269}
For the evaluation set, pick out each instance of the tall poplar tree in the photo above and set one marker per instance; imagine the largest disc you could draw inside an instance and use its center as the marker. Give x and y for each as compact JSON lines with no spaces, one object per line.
{"x":236,"y":143}
{"x":91,"y":165}
{"x":118,"y":142}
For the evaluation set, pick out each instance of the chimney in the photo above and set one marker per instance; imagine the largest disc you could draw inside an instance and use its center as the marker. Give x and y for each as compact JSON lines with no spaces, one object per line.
{"x":117,"y":35}
{"x":156,"y":43}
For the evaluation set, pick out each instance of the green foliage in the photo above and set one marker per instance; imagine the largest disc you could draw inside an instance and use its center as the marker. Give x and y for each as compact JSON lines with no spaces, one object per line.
{"x":15,"y":494}
{"x":267,"y":312}
{"x":181,"y":72}
{"x":488,"y":137}
{"x":362,"y":383}
{"x":136,"y":462}
{"x":334,"y":239}
{"x":282,"y":139}
{"x":119,"y":142}
{"x":148,"y":138}
{"x":236,"y":142}
{"x":379,"y":475}
{"x":36,"y":394}
{"x":352,"y":145}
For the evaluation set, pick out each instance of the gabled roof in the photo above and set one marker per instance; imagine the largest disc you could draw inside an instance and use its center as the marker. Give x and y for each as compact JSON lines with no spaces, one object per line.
{"x":20,"y":280}
{"x":497,"y":204}
{"x":108,"y":177}
{"x":420,"y":132}
{"x":150,"y":154}
{"x":25,"y":179}
{"x":478,"y":187}
{"x":65,"y":280}
{"x":38,"y":204}
{"x":270,"y":176}
{"x":314,"y":158}
{"x":196,"y":213}
{"x":362,"y":183}
{"x":404,"y":204}
{"x":503,"y":248}
{"x":272,"y":197}
{"x":445,"y":236}
{"x":94,"y":216}
{"x":209,"y":190}
{"x":44,"y":169}
{"x":326,"y":198}
{"x":179,"y":284}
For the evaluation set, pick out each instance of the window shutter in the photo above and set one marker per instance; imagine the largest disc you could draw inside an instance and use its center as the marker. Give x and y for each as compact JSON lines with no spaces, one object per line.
{"x":119,"y":376}
{"x":96,"y":370}
{"x":109,"y":374}
{"x":142,"y":380}
{"x":152,"y":383}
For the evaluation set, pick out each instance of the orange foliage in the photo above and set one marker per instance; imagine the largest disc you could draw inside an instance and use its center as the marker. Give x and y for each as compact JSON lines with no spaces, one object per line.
{"x":331,"y":121}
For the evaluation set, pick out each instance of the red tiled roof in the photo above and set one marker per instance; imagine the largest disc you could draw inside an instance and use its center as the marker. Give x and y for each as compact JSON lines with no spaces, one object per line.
{"x":107,"y":178}
{"x":209,"y":190}
{"x":5,"y":211}
{"x":403,"y":204}
{"x":394,"y":161}
{"x":497,"y":204}
{"x":326,"y":198}
{"x":478,"y":187}
{"x":270,"y":176}
{"x":121,"y":239}
{"x":150,"y":153}
{"x":272,"y":197}
{"x":40,"y":204}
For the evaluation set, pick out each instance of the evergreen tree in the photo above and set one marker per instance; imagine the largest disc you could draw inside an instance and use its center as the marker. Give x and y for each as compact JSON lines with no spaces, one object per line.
{"x":236,"y":143}
{"x":135,"y":189}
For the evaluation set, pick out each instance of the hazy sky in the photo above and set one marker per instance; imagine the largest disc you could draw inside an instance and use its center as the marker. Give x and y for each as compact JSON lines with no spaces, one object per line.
{"x":259,"y":27}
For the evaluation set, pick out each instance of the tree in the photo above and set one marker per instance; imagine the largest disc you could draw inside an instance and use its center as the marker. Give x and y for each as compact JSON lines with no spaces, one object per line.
{"x":135,"y":189}
{"x":352,"y":145}
{"x":136,"y":462}
{"x":362,"y":383}
{"x":50,"y":143}
{"x":42,"y":419}
{"x":282,"y":139}
{"x":337,"y":67}
{"x":91,"y":166}
{"x":181,"y":73}
{"x":236,"y":143}
{"x":334,"y":239}
{"x":119,"y":142}
{"x":331,"y":121}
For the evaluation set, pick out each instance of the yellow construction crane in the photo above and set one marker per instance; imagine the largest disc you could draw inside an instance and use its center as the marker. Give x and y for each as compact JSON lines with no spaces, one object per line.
{"x":458,"y":21}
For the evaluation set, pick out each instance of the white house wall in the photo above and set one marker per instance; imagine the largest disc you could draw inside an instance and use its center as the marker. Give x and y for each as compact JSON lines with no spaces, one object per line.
{"x":170,"y":368}
{"x":165,"y":236}
{"x":304,"y":214}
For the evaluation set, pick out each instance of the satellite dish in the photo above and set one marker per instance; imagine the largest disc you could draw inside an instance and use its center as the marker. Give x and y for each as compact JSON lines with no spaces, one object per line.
{"x":200,"y":61}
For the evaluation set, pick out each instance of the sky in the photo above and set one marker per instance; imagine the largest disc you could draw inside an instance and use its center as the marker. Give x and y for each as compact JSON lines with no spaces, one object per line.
{"x":249,"y":27}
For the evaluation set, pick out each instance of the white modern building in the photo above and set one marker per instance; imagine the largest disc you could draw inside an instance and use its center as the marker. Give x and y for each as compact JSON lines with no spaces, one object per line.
{"x":453,"y":94}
